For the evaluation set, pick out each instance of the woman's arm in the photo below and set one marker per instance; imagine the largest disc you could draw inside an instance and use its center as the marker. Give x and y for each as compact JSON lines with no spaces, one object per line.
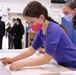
{"x":38,"y":61}
{"x":26,"y":53}
{"x":31,"y":62}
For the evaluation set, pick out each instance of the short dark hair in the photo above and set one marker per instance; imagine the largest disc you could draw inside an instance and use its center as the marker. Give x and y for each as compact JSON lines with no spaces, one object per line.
{"x":19,"y":20}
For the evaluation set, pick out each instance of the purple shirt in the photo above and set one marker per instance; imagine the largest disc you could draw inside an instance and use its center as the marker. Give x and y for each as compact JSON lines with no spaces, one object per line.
{"x":57,"y":44}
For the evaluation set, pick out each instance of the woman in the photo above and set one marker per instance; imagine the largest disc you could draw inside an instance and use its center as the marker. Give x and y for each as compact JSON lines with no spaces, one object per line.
{"x":9,"y":34}
{"x":69,"y":20}
{"x":56,"y":42}
{"x":69,"y":10}
{"x":19,"y":31}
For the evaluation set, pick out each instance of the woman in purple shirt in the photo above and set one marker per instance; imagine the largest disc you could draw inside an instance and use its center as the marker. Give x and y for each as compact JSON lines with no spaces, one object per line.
{"x":49,"y":34}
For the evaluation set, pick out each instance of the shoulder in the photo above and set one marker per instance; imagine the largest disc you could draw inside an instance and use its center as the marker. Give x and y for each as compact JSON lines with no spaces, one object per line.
{"x":53,"y":30}
{"x":2,"y":22}
{"x":53,"y":27}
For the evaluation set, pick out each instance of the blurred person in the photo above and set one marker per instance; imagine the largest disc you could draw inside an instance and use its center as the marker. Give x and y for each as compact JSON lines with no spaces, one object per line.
{"x":2,"y":31}
{"x":74,"y":22}
{"x":9,"y":28}
{"x":69,"y":11}
{"x":13,"y":30}
{"x":19,"y":31}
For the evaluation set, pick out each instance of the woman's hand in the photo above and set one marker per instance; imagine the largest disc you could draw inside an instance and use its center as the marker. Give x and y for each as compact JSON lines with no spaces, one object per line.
{"x":6,"y":60}
{"x":17,"y":65}
{"x":3,"y":60}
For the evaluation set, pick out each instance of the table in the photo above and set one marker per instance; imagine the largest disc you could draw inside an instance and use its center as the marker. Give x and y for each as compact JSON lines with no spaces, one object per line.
{"x":52,"y":68}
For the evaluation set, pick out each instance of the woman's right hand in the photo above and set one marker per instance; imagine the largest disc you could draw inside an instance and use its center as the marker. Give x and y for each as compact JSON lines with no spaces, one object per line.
{"x":6,"y":60}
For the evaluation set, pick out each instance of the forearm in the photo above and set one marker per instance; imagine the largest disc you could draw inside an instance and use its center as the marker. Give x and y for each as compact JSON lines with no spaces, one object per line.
{"x":37,"y":61}
{"x":26,"y":53}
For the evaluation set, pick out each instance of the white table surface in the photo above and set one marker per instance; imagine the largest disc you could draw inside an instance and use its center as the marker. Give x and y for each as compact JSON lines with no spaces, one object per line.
{"x":52,"y":68}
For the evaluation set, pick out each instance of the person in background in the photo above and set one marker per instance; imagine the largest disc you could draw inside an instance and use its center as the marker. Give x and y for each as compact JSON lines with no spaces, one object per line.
{"x":74,"y":22}
{"x":9,"y":34}
{"x":49,"y":34}
{"x":2,"y":31}
{"x":13,"y":30}
{"x":19,"y":31}
{"x":69,"y":11}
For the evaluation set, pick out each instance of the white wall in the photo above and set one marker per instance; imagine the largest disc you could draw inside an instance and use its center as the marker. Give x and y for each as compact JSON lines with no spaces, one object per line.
{"x":14,"y":7}
{"x":54,"y":10}
{"x":19,"y":7}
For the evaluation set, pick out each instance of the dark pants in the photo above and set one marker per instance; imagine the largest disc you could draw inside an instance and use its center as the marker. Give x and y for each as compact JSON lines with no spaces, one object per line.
{"x":18,"y":43}
{"x":11,"y":44}
{"x":1,"y":42}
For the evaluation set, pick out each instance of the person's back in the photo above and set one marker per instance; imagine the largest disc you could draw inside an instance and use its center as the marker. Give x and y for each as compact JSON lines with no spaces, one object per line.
{"x":19,"y":31}
{"x":58,"y":44}
{"x":2,"y":31}
{"x":13,"y":30}
{"x":65,"y":48}
{"x":2,"y":28}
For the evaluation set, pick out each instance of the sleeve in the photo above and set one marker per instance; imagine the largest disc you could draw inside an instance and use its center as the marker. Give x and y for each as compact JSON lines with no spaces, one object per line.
{"x":52,"y":40}
{"x":37,"y":42}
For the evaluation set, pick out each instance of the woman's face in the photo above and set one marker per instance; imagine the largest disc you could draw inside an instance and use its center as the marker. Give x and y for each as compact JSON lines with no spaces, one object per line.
{"x":35,"y":23}
{"x":32,"y":21}
{"x":66,"y":10}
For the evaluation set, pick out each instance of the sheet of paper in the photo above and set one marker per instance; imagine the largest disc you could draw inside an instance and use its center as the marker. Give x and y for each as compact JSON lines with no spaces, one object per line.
{"x":31,"y":71}
{"x":34,"y":70}
{"x":68,"y":73}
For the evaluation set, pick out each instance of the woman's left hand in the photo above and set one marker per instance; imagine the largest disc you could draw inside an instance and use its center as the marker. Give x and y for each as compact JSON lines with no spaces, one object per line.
{"x":16,"y":65}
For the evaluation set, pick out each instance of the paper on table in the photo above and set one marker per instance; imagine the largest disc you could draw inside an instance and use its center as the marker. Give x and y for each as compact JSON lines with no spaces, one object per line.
{"x":68,"y":73}
{"x":33,"y":70}
{"x":30,"y":71}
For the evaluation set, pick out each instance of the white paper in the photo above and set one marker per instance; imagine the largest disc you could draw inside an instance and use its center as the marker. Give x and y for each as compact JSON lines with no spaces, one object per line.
{"x":68,"y":73}
{"x":33,"y":70}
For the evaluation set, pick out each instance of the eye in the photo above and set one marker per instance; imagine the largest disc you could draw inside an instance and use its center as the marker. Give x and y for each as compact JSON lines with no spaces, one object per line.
{"x":31,"y":22}
{"x":65,"y":12}
{"x":27,"y":23}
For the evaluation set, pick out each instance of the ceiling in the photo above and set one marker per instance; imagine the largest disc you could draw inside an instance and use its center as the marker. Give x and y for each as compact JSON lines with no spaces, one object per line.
{"x":22,"y":1}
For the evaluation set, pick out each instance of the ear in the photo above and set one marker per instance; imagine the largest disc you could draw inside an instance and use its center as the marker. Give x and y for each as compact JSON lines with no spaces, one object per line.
{"x":42,"y":17}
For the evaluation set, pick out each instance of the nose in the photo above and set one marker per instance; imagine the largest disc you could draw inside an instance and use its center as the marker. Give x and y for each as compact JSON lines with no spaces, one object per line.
{"x":31,"y":25}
